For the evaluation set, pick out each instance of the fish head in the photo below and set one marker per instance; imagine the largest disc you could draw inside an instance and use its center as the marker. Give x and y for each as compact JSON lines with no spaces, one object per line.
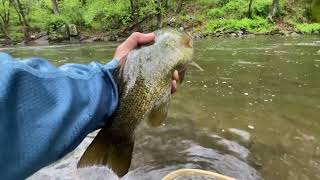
{"x":178,"y":48}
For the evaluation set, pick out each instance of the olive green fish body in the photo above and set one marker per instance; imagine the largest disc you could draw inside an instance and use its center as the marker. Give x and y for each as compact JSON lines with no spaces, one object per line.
{"x":144,"y":85}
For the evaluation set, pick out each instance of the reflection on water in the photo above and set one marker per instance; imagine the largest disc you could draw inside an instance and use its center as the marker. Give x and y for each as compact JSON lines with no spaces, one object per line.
{"x":253,"y":113}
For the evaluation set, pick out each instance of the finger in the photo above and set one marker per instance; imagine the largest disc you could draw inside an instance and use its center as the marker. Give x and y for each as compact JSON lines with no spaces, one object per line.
{"x":137,"y":39}
{"x":131,"y":43}
{"x":175,"y":75}
{"x":146,"y":38}
{"x":174,"y":86}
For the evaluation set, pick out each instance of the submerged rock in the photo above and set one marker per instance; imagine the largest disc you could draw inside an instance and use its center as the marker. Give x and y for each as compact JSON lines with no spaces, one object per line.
{"x":113,"y":37}
{"x":241,"y":136}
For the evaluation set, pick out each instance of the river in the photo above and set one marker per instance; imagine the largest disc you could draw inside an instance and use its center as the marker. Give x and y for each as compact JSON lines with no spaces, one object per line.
{"x":253,"y":113}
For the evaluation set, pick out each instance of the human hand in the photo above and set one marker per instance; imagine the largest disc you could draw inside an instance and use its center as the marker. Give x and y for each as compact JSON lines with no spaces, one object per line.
{"x":134,"y":40}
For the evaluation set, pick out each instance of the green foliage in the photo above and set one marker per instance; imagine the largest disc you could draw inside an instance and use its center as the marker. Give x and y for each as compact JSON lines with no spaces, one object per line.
{"x":237,"y":9}
{"x":261,"y":8}
{"x":16,"y":36}
{"x":247,"y":25}
{"x":298,"y":11}
{"x":308,"y":28}
{"x":117,"y":15}
{"x":208,"y":3}
{"x":39,"y":15}
{"x":147,"y":9}
{"x":232,"y":9}
{"x":215,"y":13}
{"x":55,"y":22}
{"x":4,"y":22}
{"x":107,"y":14}
{"x":72,"y":12}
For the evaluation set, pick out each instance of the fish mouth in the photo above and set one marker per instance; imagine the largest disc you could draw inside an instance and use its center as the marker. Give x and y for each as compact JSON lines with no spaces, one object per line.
{"x":182,"y":69}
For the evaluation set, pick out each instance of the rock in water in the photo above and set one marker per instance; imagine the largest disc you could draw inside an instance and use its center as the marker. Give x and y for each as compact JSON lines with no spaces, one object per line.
{"x":144,"y":85}
{"x":73,"y":30}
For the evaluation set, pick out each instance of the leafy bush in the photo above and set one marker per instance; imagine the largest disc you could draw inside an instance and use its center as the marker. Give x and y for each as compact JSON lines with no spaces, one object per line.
{"x":16,"y":36}
{"x":238,"y":9}
{"x":210,"y":3}
{"x":107,"y":14}
{"x":39,"y":15}
{"x":232,"y":9}
{"x":247,"y":25}
{"x":215,"y":13}
{"x":261,"y":8}
{"x":308,"y":28}
{"x":72,"y":11}
{"x":54,"y":23}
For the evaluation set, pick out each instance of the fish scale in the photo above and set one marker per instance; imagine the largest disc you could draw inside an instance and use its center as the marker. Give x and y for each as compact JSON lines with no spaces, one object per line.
{"x":144,"y":84}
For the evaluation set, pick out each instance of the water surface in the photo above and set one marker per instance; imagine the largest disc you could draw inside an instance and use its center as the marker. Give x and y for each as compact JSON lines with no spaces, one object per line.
{"x":253,"y":113}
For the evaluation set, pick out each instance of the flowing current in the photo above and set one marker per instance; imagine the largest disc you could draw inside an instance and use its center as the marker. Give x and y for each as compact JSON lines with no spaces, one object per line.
{"x":253,"y":113}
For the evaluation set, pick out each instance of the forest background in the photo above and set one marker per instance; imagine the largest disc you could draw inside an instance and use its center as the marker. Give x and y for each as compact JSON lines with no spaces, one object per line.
{"x":98,"y":20}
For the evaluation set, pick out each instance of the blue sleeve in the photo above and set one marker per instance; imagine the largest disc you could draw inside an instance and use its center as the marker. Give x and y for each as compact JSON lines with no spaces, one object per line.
{"x":45,"y":111}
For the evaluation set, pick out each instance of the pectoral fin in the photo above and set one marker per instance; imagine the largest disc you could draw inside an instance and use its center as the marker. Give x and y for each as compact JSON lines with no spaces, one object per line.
{"x":107,"y":150}
{"x":159,"y":113}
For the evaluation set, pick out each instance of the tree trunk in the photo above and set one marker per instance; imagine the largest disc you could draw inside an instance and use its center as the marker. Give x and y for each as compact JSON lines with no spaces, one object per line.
{"x":22,"y":19}
{"x":166,"y":4}
{"x":273,"y":10}
{"x":133,"y":7}
{"x":55,"y":7}
{"x":159,"y":13}
{"x":21,"y":12}
{"x":179,"y":6}
{"x":250,"y":9}
{"x":135,"y":10}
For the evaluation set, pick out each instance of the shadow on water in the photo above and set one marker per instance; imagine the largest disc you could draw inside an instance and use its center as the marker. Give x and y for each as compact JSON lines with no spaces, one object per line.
{"x":253,"y":113}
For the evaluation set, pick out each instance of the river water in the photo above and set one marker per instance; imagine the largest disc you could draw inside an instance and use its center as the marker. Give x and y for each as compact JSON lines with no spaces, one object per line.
{"x":253,"y":113}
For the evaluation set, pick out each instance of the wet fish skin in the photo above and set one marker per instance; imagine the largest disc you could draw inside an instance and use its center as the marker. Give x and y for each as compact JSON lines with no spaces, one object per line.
{"x":144,"y":86}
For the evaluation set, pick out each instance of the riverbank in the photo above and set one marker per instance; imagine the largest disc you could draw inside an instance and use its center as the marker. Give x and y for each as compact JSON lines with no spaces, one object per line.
{"x":107,"y":20}
{"x":42,"y":38}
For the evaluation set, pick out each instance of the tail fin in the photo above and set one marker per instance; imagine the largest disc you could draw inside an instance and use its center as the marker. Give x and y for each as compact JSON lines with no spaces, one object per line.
{"x":107,"y":150}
